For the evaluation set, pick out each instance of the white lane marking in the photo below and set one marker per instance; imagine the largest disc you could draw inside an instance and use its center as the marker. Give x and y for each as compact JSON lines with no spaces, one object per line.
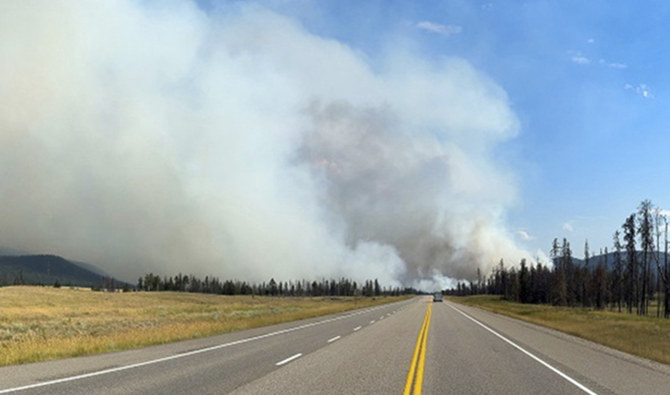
{"x":388,"y":314}
{"x":333,"y":339}
{"x":372,"y":322}
{"x":185,"y":354}
{"x":381,"y":318}
{"x":289,"y":359}
{"x":357,"y":328}
{"x":553,"y":369}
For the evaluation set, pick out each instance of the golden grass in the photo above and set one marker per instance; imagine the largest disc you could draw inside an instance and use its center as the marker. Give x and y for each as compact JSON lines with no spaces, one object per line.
{"x":39,"y":323}
{"x":647,"y":337}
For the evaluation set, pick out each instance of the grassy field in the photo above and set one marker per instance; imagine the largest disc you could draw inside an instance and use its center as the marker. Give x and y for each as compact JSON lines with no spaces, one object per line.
{"x":41,"y":323}
{"x":647,"y":337}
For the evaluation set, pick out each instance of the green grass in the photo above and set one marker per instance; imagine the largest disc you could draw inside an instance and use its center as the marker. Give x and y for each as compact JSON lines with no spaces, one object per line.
{"x":43,"y":323}
{"x":647,"y":337}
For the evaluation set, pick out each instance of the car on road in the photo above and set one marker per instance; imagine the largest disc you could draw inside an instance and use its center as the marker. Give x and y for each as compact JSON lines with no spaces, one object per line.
{"x":437,"y":297}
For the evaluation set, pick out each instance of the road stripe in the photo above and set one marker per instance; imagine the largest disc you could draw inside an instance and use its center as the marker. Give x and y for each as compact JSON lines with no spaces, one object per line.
{"x":357,"y":328}
{"x":415,"y":356}
{"x":418,"y":357}
{"x":289,"y":359}
{"x":333,"y":339}
{"x":418,"y":382}
{"x":372,"y":322}
{"x":186,"y":354}
{"x":545,"y":364}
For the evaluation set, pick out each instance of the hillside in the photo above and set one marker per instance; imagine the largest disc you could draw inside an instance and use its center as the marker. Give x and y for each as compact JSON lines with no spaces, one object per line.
{"x":609,"y":260}
{"x":46,"y":270}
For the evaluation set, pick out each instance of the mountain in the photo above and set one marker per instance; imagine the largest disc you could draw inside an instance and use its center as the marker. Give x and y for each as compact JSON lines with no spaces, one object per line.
{"x":608,"y":260}
{"x":91,"y":268}
{"x":47,"y":269}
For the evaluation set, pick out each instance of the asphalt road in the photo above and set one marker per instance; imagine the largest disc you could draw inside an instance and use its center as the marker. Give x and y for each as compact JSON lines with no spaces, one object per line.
{"x":368,"y":351}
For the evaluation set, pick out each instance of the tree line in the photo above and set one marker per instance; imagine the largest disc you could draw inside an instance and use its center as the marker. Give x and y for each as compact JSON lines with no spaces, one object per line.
{"x":213,"y":285}
{"x":106,"y":283}
{"x":628,"y":279}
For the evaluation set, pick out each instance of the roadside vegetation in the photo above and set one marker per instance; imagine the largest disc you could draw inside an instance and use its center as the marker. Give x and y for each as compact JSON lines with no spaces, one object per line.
{"x":634,"y":278}
{"x":43,"y":323}
{"x":644,"y":336}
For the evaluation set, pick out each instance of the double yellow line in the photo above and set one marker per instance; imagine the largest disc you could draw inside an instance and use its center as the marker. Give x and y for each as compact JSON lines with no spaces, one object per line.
{"x":415,"y":374}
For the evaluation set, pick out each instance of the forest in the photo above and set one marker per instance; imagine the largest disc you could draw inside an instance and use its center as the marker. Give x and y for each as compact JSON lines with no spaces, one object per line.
{"x":632,"y":277}
{"x":213,"y":285}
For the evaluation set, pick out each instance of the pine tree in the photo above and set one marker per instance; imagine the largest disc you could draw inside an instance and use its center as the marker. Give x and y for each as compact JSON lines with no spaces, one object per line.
{"x":559,"y":288}
{"x":272,"y":285}
{"x":631,"y":293}
{"x":617,"y":275}
{"x":524,"y":283}
{"x":585,"y":278}
{"x":645,"y":232}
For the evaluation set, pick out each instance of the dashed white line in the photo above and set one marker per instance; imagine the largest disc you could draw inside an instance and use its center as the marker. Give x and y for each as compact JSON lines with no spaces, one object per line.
{"x":289,"y":359}
{"x":372,"y":322}
{"x":553,"y":369}
{"x":182,"y":355}
{"x":357,"y":328}
{"x":333,"y":339}
{"x":381,"y":318}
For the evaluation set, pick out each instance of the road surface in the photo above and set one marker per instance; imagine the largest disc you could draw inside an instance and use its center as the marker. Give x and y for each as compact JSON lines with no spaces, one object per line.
{"x":445,"y":348}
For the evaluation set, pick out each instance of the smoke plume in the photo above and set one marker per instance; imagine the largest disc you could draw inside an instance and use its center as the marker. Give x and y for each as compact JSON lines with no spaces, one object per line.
{"x":161,"y":138}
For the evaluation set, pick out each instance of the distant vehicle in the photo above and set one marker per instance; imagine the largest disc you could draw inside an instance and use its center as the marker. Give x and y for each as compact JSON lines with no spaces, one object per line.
{"x":437,"y":297}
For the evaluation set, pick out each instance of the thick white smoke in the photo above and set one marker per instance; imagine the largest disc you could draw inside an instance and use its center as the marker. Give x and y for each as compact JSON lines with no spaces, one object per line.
{"x":159,"y":138}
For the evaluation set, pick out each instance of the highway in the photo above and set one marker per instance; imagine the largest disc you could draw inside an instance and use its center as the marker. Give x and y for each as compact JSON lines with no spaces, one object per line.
{"x":414,"y":346}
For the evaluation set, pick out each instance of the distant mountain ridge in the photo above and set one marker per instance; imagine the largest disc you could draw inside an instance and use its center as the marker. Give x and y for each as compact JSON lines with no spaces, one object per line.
{"x":609,"y":260}
{"x":49,"y":269}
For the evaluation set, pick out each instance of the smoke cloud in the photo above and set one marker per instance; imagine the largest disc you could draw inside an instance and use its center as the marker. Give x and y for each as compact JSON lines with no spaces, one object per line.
{"x":160,"y":138}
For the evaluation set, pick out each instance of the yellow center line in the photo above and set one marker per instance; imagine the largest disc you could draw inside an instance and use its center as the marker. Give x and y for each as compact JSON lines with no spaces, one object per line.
{"x":415,"y":374}
{"x":415,"y":356}
{"x":418,"y":382}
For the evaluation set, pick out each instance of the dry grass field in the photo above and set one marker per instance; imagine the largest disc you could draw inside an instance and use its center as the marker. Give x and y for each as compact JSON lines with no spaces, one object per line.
{"x":647,"y":337}
{"x":42,"y":323}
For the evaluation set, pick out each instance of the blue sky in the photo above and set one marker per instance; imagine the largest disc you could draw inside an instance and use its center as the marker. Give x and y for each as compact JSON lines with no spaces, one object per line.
{"x":587,"y":80}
